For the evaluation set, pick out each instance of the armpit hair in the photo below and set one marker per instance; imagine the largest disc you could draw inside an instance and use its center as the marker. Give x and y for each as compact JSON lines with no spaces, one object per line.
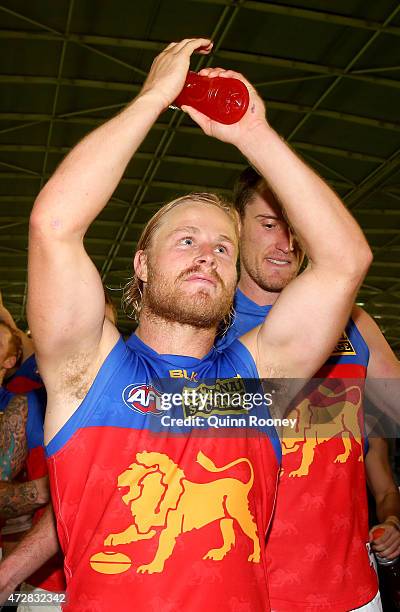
{"x":76,"y":375}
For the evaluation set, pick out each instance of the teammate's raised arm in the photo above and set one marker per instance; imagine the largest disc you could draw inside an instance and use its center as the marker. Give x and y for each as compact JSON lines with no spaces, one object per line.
{"x":313,"y":310}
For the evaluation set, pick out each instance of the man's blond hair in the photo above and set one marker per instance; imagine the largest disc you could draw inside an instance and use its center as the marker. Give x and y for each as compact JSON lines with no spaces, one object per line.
{"x":133,"y":290}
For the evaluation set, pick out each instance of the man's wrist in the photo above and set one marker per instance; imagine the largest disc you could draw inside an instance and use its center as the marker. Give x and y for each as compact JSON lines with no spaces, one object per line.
{"x":256,"y":141}
{"x":149,"y":98}
{"x":393,"y":520}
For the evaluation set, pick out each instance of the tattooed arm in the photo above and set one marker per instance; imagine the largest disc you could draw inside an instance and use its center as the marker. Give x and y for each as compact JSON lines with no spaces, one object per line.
{"x":13,"y":445}
{"x":17,"y":499}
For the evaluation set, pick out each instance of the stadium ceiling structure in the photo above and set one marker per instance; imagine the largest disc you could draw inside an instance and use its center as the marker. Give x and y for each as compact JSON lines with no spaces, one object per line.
{"x":328,"y":71}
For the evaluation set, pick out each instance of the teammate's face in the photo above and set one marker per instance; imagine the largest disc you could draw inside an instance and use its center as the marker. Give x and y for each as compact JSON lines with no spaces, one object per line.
{"x":268,"y":254}
{"x":190,"y":269}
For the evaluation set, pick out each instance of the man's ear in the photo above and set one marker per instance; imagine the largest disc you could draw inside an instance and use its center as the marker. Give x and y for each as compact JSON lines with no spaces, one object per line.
{"x":140,"y":265}
{"x":10,"y":362}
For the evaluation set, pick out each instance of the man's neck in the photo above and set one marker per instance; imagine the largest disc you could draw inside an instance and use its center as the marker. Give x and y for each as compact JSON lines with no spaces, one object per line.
{"x":2,"y":375}
{"x":173,"y":338}
{"x":255,"y":293}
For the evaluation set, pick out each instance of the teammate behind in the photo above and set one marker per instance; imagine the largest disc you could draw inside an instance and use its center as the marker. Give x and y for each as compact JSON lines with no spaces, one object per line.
{"x":317,"y":559}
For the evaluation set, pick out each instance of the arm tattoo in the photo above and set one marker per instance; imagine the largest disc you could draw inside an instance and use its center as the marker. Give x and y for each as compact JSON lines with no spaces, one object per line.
{"x":18,"y":498}
{"x":13,"y":444}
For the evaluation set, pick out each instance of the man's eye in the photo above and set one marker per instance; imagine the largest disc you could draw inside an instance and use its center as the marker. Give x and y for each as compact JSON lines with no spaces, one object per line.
{"x":269,"y":225}
{"x":221,"y":249}
{"x":187,"y":241}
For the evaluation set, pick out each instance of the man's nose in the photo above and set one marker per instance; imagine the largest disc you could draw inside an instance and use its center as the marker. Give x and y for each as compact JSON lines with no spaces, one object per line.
{"x":285,"y":241}
{"x":206,"y":256}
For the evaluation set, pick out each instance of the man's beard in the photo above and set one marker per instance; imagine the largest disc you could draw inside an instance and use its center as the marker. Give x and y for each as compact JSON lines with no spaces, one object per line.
{"x":170,"y":302}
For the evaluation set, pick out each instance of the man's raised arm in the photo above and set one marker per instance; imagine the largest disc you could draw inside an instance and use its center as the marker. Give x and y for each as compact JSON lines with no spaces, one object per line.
{"x":311,"y":311}
{"x":66,"y":298}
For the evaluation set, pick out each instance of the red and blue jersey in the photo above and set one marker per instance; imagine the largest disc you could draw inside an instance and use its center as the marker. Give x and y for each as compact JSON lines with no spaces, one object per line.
{"x":248,"y":315}
{"x":51,"y":575}
{"x":162,"y":501}
{"x":317,"y":555}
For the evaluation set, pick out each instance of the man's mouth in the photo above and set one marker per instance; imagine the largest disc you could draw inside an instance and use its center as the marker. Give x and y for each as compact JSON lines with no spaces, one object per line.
{"x":202,"y":278}
{"x":278,"y":262}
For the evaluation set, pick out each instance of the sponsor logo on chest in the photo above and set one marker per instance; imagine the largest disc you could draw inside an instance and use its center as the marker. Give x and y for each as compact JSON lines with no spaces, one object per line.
{"x":344,"y":346}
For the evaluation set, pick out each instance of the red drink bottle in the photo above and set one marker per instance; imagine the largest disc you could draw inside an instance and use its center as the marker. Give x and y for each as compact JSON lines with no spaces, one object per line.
{"x":222,"y":99}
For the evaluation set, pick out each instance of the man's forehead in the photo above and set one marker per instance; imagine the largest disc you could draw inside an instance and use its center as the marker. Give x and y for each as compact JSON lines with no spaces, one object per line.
{"x":197,"y":216}
{"x":264,"y":204}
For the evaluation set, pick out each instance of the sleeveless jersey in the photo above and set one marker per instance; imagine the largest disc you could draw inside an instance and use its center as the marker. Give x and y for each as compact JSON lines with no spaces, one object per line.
{"x":248,"y":315}
{"x":164,"y":514}
{"x":317,"y":547}
{"x":26,"y":378}
{"x":51,"y":575}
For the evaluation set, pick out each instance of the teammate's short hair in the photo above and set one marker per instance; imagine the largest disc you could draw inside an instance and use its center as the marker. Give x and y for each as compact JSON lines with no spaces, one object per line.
{"x":133,"y":290}
{"x":246,"y":186}
{"x":14,"y":343}
{"x":251,"y":183}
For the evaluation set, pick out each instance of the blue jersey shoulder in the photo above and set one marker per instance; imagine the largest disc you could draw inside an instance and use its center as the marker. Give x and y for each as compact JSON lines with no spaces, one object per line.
{"x":5,"y":397}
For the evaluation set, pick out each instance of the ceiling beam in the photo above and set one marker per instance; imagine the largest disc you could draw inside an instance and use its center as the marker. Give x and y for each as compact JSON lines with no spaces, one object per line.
{"x":67,"y":38}
{"x":272,"y":104}
{"x":373,"y":181}
{"x":234,"y":56}
{"x":293,"y":64}
{"x":179,"y":187}
{"x":381,"y":231}
{"x":306,"y":146}
{"x":309,"y":14}
{"x":87,"y":83}
{"x":179,"y":159}
{"x":346,"y":70}
{"x":323,"y":149}
{"x":389,"y":212}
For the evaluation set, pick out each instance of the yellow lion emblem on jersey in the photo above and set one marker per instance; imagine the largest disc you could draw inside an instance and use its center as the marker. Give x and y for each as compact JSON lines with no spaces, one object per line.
{"x":317,"y":424}
{"x":159,"y":495}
